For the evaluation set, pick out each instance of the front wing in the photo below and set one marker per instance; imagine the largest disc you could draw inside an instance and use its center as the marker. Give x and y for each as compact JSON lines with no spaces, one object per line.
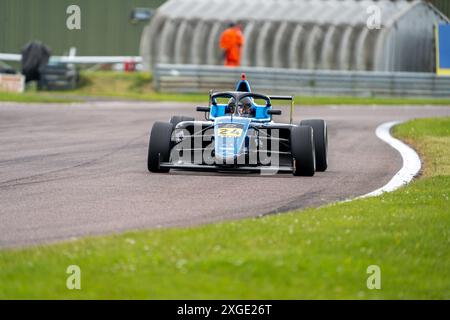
{"x":215,"y":168}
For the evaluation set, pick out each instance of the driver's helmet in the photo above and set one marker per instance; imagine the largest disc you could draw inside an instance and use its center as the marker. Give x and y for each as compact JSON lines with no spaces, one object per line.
{"x":231,"y":107}
{"x":245,"y":107}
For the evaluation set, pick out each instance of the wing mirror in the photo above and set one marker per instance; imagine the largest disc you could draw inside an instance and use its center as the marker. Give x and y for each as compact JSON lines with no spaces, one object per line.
{"x":274,"y":112}
{"x":203,"y":109}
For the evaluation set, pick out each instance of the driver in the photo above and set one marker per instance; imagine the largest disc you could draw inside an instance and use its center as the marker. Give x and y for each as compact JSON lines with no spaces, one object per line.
{"x":245,"y":107}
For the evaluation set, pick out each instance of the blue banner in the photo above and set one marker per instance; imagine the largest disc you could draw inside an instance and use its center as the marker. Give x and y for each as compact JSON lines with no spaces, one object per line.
{"x":443,"y":49}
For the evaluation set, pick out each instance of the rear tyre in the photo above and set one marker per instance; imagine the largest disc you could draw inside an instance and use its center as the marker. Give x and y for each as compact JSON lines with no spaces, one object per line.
{"x":159,"y":146}
{"x":320,"y":134}
{"x":177,"y":119}
{"x":302,"y":149}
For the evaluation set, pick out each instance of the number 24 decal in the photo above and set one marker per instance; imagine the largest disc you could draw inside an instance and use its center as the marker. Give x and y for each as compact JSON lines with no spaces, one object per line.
{"x":230,"y":132}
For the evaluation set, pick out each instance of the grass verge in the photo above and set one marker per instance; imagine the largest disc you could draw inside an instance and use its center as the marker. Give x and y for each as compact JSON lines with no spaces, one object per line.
{"x":29,"y":97}
{"x":138,"y":86}
{"x":309,"y":254}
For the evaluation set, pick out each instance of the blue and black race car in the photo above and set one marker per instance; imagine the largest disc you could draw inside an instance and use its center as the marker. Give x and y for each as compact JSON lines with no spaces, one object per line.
{"x":238,"y":134}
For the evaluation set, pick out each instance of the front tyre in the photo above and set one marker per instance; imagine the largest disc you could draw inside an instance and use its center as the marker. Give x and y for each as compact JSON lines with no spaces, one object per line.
{"x":320,"y":133}
{"x":159,"y":146}
{"x":302,"y":149}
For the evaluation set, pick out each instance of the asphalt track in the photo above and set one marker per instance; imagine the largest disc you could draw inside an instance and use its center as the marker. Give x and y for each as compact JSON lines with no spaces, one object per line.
{"x":72,"y":170}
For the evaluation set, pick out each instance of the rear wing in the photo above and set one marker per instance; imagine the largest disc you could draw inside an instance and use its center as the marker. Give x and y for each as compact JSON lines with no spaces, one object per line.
{"x":286,"y":98}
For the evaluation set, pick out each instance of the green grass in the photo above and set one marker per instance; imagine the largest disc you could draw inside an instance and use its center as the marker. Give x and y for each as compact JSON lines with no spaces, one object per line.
{"x":138,"y":86}
{"x":309,"y":254}
{"x":431,"y":137}
{"x":33,"y":97}
{"x":322,"y":100}
{"x":133,"y":86}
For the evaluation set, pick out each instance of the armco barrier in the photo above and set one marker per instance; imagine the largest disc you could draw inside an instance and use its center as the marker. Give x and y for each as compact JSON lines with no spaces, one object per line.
{"x":202,"y":78}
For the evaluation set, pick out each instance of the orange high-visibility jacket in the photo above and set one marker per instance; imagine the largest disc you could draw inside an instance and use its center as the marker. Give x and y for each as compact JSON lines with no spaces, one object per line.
{"x":231,"y":41}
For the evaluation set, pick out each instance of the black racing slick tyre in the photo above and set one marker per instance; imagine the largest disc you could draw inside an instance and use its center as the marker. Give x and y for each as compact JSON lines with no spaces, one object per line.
{"x":302,"y":149}
{"x":177,"y":119}
{"x":159,"y":146}
{"x":320,"y":134}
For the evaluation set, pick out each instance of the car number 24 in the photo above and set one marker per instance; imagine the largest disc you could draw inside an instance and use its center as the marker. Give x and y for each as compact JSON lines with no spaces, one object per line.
{"x":229,"y":132}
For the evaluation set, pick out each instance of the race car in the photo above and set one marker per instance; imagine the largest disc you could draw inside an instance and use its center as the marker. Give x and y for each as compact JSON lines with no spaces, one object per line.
{"x":239,"y":134}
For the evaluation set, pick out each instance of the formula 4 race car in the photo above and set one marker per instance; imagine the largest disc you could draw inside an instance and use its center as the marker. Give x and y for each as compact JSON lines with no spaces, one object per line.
{"x":238,"y":134}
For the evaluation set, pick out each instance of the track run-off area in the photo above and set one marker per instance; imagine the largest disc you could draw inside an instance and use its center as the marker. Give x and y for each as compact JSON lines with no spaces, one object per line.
{"x":71,"y":170}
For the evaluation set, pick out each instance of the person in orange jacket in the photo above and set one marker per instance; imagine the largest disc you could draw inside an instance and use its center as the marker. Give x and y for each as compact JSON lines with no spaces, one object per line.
{"x":231,"y":41}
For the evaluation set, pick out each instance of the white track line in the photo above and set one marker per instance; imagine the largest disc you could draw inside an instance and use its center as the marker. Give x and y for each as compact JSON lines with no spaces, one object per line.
{"x":411,"y":161}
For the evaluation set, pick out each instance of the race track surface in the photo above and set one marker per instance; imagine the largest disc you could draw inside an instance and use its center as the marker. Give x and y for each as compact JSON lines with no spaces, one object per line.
{"x":73,"y":170}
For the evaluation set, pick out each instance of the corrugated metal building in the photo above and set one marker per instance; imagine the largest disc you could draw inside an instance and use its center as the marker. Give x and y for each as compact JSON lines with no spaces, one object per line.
{"x":105,"y":25}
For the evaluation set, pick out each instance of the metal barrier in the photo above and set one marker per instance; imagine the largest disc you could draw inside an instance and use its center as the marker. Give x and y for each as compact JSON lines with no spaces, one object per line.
{"x":77,"y":59}
{"x":201,"y":78}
